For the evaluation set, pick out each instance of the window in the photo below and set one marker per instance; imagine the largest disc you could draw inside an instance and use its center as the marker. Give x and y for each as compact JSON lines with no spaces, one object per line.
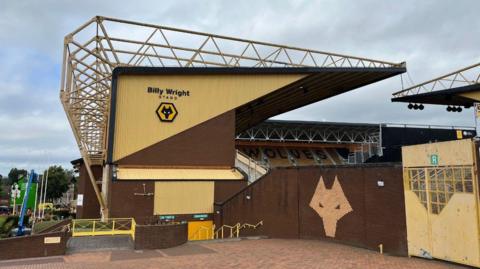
{"x":435,"y":186}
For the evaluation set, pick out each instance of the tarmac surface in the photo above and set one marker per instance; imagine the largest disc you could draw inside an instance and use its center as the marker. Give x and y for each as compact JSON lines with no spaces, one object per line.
{"x":263,"y":253}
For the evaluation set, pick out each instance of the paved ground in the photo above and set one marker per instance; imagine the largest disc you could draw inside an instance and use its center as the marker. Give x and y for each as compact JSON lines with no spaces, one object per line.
{"x":265,"y":253}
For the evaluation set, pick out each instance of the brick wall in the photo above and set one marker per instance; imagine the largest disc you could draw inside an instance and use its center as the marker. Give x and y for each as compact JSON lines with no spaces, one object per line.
{"x":282,"y":200}
{"x":33,"y":246}
{"x":160,"y":236}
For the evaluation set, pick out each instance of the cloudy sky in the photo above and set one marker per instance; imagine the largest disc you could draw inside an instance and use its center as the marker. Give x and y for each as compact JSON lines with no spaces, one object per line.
{"x":433,"y":37}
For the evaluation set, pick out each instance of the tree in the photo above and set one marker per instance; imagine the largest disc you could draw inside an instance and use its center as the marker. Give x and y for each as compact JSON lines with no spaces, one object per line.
{"x":14,"y":175}
{"x":58,"y":181}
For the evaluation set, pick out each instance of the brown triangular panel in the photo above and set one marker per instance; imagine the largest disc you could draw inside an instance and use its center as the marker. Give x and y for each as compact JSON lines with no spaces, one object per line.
{"x":211,"y":143}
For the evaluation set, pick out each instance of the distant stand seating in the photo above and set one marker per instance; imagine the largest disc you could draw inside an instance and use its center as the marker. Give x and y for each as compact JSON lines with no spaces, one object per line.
{"x":284,"y":157}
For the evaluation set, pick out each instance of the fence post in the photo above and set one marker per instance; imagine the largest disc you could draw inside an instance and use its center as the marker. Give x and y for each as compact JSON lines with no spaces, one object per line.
{"x":113,"y":226}
{"x":93,"y":231}
{"x":133,"y":225}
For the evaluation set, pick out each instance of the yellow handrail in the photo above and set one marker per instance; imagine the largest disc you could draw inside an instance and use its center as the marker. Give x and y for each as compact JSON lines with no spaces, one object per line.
{"x":112,"y":226}
{"x":254,"y":226}
{"x":235,"y":229}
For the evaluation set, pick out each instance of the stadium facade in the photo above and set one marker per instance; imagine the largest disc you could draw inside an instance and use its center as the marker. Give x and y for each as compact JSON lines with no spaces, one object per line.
{"x":172,"y":126}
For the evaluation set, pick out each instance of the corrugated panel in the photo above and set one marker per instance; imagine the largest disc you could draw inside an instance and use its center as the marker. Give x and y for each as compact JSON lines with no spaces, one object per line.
{"x":183,"y":197}
{"x":137,"y":126}
{"x":178,"y":174}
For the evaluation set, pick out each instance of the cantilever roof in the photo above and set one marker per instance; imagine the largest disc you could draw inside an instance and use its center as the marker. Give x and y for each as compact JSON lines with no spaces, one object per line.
{"x":455,"y":88}
{"x":452,"y":97}
{"x":92,"y":51}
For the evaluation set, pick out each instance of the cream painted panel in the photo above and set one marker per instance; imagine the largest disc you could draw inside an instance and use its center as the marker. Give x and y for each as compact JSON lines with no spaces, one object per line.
{"x":137,"y":125}
{"x":457,"y":152}
{"x":417,"y":225}
{"x":455,"y":231}
{"x":178,"y":174}
{"x":183,"y":197}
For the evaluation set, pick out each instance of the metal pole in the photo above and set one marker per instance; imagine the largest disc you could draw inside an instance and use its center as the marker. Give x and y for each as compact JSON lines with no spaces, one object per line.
{"x":475,"y":117}
{"x":35,"y":206}
{"x":45,"y":194}
{"x":41,"y":194}
{"x":21,"y":226}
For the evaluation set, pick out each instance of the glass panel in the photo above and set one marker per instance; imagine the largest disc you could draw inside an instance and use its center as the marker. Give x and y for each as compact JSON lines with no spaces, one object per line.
{"x":457,"y":173}
{"x":467,"y":173}
{"x":449,"y":186}
{"x":448,"y":173}
{"x":468,"y":186}
{"x":458,"y":186}
{"x":415,"y":185}
{"x":441,"y":185}
{"x":440,"y":173}
{"x":433,"y":197}
{"x":413,"y":173}
{"x":423,"y":196}
{"x":421,"y":174}
{"x":434,"y":209}
{"x":441,"y":197}
{"x":422,"y":186}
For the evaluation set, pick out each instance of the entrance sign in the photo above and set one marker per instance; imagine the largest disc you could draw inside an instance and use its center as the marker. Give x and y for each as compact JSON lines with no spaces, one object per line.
{"x":434,"y":159}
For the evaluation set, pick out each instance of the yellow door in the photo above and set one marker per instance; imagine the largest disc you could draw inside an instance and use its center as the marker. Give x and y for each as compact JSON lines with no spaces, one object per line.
{"x":441,"y":211}
{"x":200,"y":230}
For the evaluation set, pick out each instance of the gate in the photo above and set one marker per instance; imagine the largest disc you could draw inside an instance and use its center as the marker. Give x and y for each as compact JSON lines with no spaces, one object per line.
{"x":441,"y":201}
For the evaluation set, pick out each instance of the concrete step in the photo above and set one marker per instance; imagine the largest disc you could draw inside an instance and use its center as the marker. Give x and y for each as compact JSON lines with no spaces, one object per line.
{"x":99,"y":243}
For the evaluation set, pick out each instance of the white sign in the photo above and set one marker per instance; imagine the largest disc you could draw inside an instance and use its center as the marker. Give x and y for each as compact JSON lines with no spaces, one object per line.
{"x":15,"y":191}
{"x":80,"y":200}
{"x":51,"y":240}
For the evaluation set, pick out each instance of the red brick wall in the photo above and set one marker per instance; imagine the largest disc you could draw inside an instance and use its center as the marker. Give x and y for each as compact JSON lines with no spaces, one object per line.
{"x":160,"y":236}
{"x":32,"y":246}
{"x":281,"y":199}
{"x":90,"y":208}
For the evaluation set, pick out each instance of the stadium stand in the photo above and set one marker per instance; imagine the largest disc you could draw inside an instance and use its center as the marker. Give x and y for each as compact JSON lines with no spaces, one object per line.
{"x":276,"y":143}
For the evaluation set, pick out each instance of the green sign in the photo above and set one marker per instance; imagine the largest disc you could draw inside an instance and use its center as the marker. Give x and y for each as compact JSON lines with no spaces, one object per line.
{"x":434,"y":159}
{"x":22,"y":186}
{"x":200,"y":216}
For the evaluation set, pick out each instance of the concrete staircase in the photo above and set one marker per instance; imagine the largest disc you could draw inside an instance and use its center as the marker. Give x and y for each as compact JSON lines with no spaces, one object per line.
{"x":251,"y":167}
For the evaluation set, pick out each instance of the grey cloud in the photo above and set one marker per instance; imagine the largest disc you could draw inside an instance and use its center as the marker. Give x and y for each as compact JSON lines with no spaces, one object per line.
{"x":434,"y":37}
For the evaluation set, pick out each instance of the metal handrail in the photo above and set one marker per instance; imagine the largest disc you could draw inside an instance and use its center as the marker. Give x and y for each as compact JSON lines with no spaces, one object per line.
{"x":111,"y":226}
{"x":235,"y":229}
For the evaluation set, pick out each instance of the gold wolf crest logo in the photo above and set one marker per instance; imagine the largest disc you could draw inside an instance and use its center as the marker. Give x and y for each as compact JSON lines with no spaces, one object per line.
{"x":330,"y":204}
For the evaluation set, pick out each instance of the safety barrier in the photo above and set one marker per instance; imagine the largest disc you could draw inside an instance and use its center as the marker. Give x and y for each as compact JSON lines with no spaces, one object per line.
{"x":95,"y":227}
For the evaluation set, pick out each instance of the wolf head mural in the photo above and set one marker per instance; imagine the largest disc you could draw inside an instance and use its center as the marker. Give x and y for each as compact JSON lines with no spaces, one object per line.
{"x":330,"y":204}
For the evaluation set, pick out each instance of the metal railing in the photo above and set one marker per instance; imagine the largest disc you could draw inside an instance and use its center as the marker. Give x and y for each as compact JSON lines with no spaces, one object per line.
{"x":225,"y":231}
{"x":254,"y":169}
{"x":234,"y":231}
{"x":95,"y":227}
